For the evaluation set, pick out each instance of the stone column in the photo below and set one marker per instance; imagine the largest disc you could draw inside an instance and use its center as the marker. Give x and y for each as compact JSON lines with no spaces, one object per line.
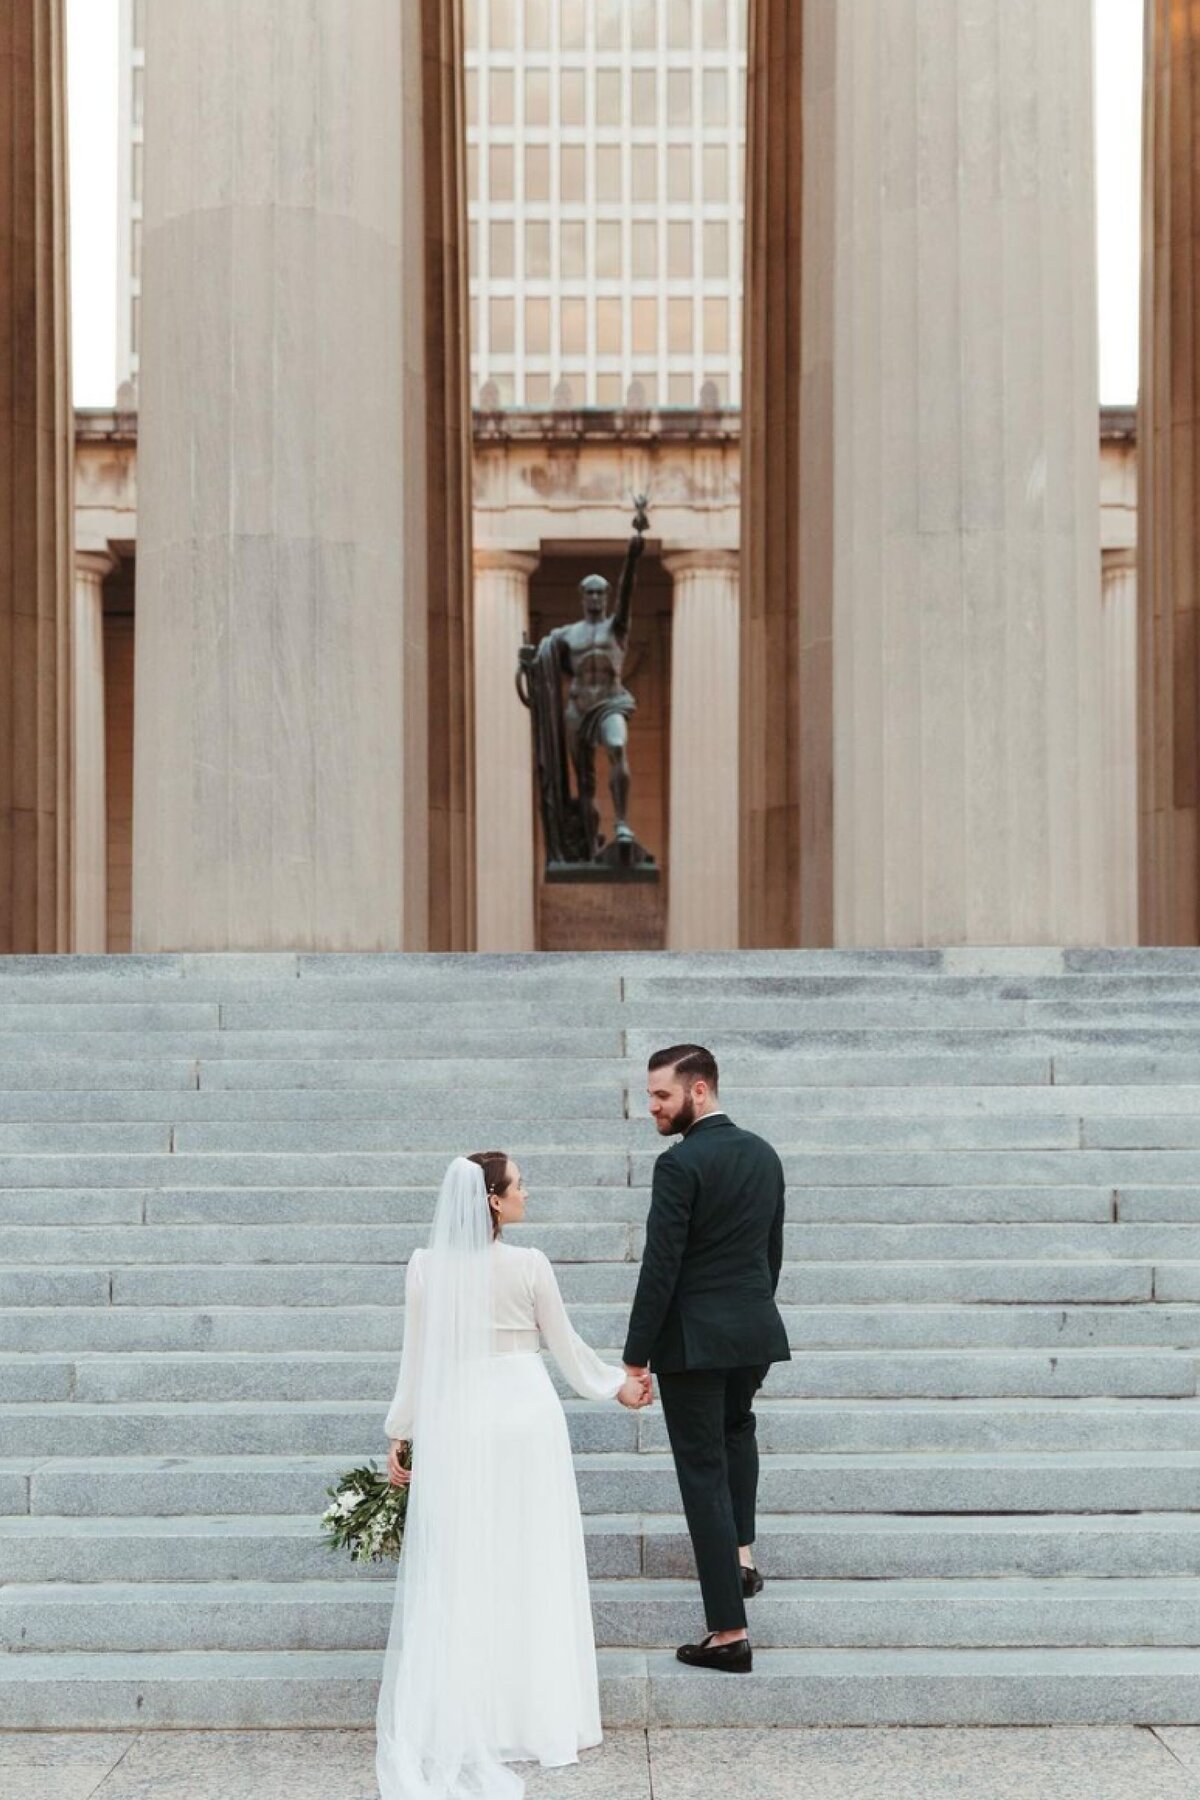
{"x":702,"y":908}
{"x":89,"y":783}
{"x":450,"y":705}
{"x":282,"y":755}
{"x":36,"y":462}
{"x":504,"y":781}
{"x":948,"y":636}
{"x":1119,"y":624}
{"x":1168,"y":454}
{"x":785,"y":775}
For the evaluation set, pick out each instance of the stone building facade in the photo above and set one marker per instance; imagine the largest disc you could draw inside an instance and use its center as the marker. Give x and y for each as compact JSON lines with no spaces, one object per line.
{"x":551,"y":504}
{"x":933,"y":705}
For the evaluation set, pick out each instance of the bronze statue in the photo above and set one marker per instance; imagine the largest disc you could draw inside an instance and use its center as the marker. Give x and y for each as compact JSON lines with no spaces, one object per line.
{"x":590,"y":653}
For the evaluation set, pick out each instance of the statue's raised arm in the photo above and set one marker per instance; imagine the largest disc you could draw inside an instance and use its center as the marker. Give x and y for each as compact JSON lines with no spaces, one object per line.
{"x":637,"y":544}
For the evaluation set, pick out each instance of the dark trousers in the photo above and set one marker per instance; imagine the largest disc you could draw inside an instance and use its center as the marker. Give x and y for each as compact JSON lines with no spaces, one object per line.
{"x":710,"y":1423}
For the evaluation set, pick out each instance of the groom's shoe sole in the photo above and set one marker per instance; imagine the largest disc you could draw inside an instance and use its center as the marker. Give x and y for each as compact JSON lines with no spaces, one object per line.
{"x":729,"y":1659}
{"x":752,"y":1583}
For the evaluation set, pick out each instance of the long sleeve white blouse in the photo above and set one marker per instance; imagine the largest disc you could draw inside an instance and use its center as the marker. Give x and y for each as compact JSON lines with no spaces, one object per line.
{"x":525,"y":1300}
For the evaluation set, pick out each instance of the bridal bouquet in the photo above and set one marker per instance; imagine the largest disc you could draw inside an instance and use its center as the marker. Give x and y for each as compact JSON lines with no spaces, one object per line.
{"x":366,"y":1514}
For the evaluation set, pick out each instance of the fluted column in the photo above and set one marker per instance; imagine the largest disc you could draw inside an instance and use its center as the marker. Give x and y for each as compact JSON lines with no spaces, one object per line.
{"x":451,"y":872}
{"x":36,"y":462}
{"x":1118,"y":607}
{"x":702,"y":908}
{"x":785,"y":821}
{"x":504,"y":788}
{"x":89,"y":785}
{"x":1168,"y":465}
{"x":947,"y":505}
{"x":291,"y":489}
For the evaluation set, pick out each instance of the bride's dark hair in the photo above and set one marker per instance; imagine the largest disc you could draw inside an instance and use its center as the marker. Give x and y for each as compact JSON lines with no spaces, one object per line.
{"x":494,"y":1164}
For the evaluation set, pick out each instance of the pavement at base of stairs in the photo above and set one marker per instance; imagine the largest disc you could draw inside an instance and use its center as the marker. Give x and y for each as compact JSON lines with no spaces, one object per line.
{"x":866,"y":1763}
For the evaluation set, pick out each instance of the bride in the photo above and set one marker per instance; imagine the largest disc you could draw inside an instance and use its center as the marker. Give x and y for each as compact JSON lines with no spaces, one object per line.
{"x":490,"y":1656}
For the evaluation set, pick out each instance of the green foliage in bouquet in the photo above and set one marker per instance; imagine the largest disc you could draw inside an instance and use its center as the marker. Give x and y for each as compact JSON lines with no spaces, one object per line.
{"x":366,"y":1515}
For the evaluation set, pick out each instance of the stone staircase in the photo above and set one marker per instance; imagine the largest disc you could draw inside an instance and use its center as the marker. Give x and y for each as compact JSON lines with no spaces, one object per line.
{"x":981,"y":1473}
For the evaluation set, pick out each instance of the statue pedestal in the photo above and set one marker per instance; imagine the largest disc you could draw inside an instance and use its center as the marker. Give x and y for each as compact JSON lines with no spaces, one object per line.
{"x":594,"y":908}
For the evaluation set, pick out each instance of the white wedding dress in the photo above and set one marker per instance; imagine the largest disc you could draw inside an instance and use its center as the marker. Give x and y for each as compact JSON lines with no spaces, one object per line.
{"x":496,"y":1572}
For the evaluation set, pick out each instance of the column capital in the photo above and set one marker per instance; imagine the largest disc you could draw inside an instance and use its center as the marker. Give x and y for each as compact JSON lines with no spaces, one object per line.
{"x":1121,"y":556}
{"x":491,"y":558}
{"x":706,"y":558}
{"x":97,"y":563}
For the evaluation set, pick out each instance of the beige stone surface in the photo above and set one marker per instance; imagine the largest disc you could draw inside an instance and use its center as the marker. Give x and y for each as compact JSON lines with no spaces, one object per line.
{"x":785,"y":819}
{"x":569,"y":495}
{"x":450,"y":876}
{"x":947,"y":500}
{"x":280,"y":764}
{"x":118,"y":753}
{"x":703,"y":895}
{"x":36,"y":462}
{"x":89,"y":776}
{"x":564,"y":482}
{"x":1169,"y":443}
{"x":1119,"y":624}
{"x":504,"y":791}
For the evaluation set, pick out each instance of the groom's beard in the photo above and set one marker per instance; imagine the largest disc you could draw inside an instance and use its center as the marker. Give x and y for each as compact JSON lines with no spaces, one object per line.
{"x":685,"y":1118}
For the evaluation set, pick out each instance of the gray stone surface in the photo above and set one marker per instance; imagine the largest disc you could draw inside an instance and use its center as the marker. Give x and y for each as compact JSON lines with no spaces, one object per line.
{"x":883,"y":1544}
{"x":212,"y":1171}
{"x":1059,"y":1763}
{"x":1183,"y":1741}
{"x":563,"y":1107}
{"x":352,"y":1614}
{"x":900,"y":1763}
{"x":235,"y":1689}
{"x":919,"y":1687}
{"x":379,"y":1244}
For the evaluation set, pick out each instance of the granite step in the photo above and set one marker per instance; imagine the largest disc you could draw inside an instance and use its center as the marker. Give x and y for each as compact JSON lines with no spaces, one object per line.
{"x":170,"y":1092}
{"x":343,"y":1613}
{"x":824,"y":1284}
{"x":589,"y":1205}
{"x":276,"y":1688}
{"x":842,"y":1242}
{"x":644,"y":1481}
{"x":814,"y":1546}
{"x":820,"y":1375}
{"x":370,"y":1205}
{"x":532,"y":1044}
{"x":102,"y":1329}
{"x":352,"y":1428}
{"x":926,"y":1135}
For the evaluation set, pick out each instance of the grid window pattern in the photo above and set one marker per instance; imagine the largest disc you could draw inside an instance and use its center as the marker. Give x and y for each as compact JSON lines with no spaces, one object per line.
{"x":606,"y":143}
{"x":130,"y":135}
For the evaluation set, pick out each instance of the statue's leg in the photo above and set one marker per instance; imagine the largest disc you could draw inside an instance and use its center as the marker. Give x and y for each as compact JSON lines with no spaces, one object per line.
{"x":583,"y":762}
{"x":616,"y":738}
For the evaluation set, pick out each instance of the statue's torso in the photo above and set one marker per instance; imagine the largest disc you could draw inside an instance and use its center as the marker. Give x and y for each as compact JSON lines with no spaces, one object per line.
{"x":595,"y":658}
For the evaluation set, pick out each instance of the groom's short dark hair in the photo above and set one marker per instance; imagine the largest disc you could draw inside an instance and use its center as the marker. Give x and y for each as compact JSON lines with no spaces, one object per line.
{"x":692,"y":1061}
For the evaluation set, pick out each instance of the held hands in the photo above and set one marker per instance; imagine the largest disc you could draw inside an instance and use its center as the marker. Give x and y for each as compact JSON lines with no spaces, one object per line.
{"x":638,"y":1388}
{"x":397,"y":1477}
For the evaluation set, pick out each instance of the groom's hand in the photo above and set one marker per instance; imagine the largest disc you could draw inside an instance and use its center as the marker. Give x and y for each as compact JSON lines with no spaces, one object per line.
{"x":644,"y":1376}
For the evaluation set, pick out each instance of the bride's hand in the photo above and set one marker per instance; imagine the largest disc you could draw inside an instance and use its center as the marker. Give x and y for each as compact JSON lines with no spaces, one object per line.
{"x":397,"y":1477}
{"x":634,"y":1393}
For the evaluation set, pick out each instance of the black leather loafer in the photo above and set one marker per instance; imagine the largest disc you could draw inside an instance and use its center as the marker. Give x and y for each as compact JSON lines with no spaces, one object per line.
{"x":734,"y":1659}
{"x":752,"y":1583}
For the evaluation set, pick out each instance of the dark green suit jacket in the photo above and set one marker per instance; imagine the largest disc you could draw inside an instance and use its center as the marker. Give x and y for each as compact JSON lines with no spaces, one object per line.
{"x":714,"y":1247}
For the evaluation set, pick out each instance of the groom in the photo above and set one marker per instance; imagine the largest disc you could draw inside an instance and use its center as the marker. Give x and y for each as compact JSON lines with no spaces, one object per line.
{"x":705,"y":1321}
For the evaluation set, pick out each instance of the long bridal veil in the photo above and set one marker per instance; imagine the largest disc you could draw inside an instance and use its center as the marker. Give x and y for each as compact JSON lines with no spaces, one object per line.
{"x":433,"y":1722}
